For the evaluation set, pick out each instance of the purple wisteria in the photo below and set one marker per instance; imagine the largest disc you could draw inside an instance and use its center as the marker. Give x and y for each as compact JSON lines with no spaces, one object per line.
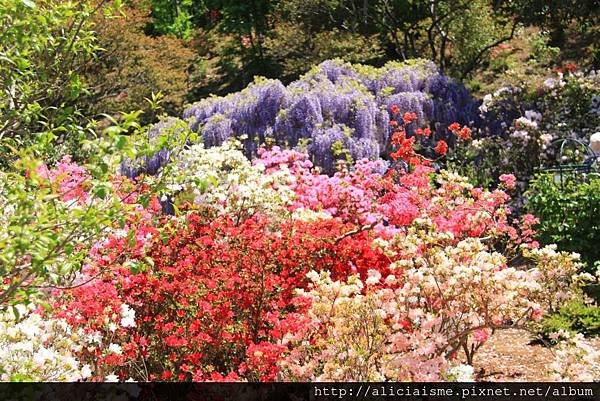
{"x":336,"y":111}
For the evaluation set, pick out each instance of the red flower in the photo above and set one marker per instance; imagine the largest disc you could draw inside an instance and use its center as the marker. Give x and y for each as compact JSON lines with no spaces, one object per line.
{"x":423,"y":131}
{"x":409,"y":118}
{"x":173,"y":341}
{"x":464,"y":133}
{"x":441,"y":147}
{"x":570,"y":67}
{"x":395,"y":109}
{"x":454,"y":127}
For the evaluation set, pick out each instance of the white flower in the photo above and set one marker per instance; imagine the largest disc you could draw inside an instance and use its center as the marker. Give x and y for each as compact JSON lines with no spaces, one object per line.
{"x":127,"y":316}
{"x":95,"y":337}
{"x":524,"y":122}
{"x":550,"y":83}
{"x":112,"y":378}
{"x":595,"y":142}
{"x":86,"y":371}
{"x":520,"y":134}
{"x":39,"y":349}
{"x":390,"y":280}
{"x":18,"y":311}
{"x":313,"y":276}
{"x":373,"y":277}
{"x":546,"y":139}
{"x":533,"y":115}
{"x":128,"y":322}
{"x":115,"y":349}
{"x":461,"y":373}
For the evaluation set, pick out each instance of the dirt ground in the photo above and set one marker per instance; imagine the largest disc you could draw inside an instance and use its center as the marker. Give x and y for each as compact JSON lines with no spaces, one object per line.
{"x":510,"y":355}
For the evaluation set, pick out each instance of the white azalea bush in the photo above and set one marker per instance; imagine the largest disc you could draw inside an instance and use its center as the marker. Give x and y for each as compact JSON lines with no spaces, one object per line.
{"x":559,"y":271}
{"x":35,"y":348}
{"x":576,"y":359}
{"x":223,"y":179}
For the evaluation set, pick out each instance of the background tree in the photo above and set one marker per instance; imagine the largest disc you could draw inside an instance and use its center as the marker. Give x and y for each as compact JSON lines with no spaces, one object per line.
{"x":45,"y":47}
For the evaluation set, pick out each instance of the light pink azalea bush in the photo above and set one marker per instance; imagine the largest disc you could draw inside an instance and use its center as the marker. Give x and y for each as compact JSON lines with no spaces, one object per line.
{"x":441,"y":298}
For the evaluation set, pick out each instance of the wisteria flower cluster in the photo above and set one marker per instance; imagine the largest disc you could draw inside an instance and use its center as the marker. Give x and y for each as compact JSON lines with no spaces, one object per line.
{"x":336,"y":111}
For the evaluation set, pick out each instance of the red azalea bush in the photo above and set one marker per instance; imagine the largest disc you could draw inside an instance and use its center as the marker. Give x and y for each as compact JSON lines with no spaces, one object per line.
{"x":210,"y":295}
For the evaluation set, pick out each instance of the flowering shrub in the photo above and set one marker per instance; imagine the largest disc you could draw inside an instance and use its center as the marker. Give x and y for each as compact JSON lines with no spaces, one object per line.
{"x":42,"y":211}
{"x":209,"y":296}
{"x":440,"y":297}
{"x":520,"y":124}
{"x":575,"y":359}
{"x":224,"y":179}
{"x":558,"y":270}
{"x":272,"y":270}
{"x":406,"y":269}
{"x":34,"y":348}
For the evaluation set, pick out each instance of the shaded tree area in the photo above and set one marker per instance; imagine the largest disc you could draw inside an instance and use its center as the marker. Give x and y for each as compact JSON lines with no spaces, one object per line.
{"x":218,"y":46}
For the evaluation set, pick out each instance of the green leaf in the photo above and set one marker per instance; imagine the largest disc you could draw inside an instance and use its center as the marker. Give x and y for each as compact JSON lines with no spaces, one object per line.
{"x":16,"y":312}
{"x":133,"y":265}
{"x":101,"y":192}
{"x":120,"y":142}
{"x":113,"y":130}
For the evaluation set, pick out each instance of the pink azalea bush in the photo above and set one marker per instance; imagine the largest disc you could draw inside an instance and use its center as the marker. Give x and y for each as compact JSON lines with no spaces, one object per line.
{"x":70,"y":180}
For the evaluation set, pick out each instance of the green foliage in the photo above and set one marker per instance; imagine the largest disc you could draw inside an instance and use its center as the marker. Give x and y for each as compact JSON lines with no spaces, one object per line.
{"x":297,"y":50}
{"x":557,"y":16}
{"x":569,"y":211}
{"x":283,"y":38}
{"x":44,"y":46}
{"x":39,"y":230}
{"x":457,"y":35}
{"x":574,"y":316}
{"x":541,"y":51}
{"x":173,"y":17}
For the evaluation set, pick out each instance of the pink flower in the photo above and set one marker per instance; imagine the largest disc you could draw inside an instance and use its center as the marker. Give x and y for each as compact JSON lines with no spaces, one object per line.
{"x":509,"y":180}
{"x":481,"y":335}
{"x":69,"y":179}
